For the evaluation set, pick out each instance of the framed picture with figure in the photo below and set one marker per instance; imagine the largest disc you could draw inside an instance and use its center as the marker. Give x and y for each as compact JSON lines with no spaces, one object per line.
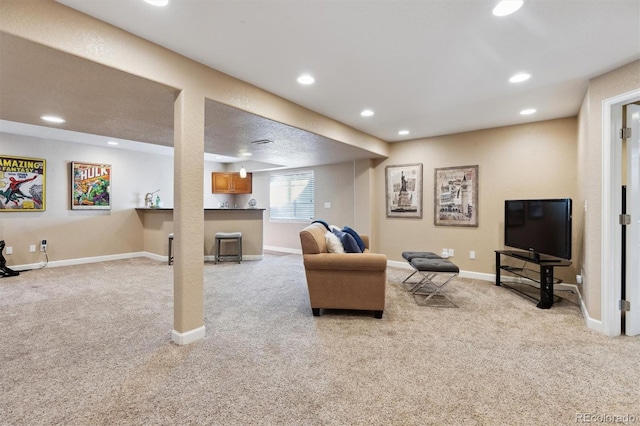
{"x":22,"y":184}
{"x":404,"y":190}
{"x":455,"y":197}
{"x":90,"y":186}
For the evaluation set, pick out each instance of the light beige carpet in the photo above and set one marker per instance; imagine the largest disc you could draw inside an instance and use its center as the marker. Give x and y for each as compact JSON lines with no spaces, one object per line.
{"x":90,"y":345}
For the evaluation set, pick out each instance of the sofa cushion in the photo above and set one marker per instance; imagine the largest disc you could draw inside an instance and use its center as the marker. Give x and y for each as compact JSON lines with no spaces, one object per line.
{"x":322,"y":222}
{"x":333,"y":243}
{"x":348,"y":242}
{"x":355,"y":236}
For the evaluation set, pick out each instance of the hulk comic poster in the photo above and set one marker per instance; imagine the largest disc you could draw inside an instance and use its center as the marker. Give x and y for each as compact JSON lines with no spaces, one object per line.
{"x":91,"y":186}
{"x":22,"y":184}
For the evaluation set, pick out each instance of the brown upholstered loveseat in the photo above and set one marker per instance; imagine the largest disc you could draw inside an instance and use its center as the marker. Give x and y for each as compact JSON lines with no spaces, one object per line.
{"x":342,"y":280}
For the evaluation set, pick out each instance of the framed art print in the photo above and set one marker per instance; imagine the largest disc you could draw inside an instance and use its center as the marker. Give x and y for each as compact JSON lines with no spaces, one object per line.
{"x":456,"y":196}
{"x":22,"y":184}
{"x":404,"y":190}
{"x":90,"y":186}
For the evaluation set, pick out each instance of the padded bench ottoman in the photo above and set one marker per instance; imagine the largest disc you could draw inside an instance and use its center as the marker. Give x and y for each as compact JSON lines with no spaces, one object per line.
{"x":409,"y":256}
{"x":436,"y":274}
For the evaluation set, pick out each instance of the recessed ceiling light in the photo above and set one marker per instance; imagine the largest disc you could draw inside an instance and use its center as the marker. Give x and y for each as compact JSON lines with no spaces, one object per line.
{"x":306,"y":79}
{"x":519,"y":78}
{"x":367,"y":113}
{"x":114,"y":143}
{"x":158,"y":3}
{"x":247,"y":154}
{"x":528,"y":111}
{"x":53,"y":119}
{"x":403,"y":132}
{"x":507,"y":7}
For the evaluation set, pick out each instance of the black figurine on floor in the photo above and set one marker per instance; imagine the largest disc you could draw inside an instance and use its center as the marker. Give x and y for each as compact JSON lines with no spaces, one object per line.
{"x":4,"y":271}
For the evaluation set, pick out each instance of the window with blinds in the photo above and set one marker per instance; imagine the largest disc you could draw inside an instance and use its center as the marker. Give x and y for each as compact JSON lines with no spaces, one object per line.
{"x":291,"y":196}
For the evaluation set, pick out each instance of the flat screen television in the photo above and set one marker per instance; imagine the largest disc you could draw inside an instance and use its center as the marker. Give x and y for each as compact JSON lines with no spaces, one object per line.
{"x":541,"y":227}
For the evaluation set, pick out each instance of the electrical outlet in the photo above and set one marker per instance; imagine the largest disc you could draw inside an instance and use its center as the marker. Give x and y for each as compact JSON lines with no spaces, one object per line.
{"x":32,"y":248}
{"x":450,"y":252}
{"x":43,"y":245}
{"x":472,"y":254}
{"x":9,"y":250}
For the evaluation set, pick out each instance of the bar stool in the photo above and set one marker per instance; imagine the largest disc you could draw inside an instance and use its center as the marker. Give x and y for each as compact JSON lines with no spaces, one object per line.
{"x":170,"y":256}
{"x":228,"y":236}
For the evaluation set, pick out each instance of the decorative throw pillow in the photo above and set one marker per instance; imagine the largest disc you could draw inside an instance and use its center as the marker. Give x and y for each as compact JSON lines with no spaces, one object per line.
{"x":333,"y":243}
{"x":326,"y":225}
{"x":348,"y":242}
{"x":355,"y":236}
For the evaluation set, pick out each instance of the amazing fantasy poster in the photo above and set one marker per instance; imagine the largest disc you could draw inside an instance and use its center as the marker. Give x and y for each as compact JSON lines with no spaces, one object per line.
{"x":90,"y":186}
{"x":22,"y":184}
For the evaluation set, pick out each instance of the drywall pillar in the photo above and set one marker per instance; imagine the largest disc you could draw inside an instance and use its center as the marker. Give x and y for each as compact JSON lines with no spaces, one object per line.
{"x":364,"y":195}
{"x":188,"y":218}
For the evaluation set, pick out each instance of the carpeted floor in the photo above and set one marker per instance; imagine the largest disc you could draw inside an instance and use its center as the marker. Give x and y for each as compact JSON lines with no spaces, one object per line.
{"x":90,"y":345}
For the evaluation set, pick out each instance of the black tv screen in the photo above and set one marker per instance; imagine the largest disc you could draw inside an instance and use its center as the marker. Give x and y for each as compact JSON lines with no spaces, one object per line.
{"x":541,"y":227}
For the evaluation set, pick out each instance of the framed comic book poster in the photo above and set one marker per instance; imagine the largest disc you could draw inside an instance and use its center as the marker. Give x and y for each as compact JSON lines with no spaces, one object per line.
{"x":22,"y":184}
{"x":90,"y":186}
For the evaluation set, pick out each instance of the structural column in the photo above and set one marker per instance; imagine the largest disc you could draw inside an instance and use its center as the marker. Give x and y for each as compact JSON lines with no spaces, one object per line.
{"x":364,"y":197}
{"x":188,"y":219}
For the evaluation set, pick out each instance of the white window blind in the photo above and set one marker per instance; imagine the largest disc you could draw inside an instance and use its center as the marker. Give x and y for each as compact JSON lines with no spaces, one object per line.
{"x":291,"y":196}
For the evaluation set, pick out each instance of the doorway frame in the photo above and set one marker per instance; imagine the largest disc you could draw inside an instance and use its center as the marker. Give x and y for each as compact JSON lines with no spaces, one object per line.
{"x":611,"y":269}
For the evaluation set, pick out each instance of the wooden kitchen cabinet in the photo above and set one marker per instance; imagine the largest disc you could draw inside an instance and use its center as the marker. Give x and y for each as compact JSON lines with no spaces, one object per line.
{"x":230,"y":183}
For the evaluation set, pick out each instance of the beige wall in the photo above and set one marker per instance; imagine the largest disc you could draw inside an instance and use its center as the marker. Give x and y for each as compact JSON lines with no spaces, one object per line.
{"x":533,"y":160}
{"x":536,"y":160}
{"x":334,"y":183}
{"x":74,"y":234}
{"x":601,"y":88}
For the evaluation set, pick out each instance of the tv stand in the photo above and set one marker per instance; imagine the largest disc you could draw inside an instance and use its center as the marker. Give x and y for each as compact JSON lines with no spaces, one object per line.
{"x":544,"y":276}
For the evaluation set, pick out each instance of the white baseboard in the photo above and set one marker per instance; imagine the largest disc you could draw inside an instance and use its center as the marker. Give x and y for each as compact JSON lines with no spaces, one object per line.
{"x":244,"y":257}
{"x":107,"y":258}
{"x":81,"y":261}
{"x":463,"y":274}
{"x":189,"y":336}
{"x":154,"y":256}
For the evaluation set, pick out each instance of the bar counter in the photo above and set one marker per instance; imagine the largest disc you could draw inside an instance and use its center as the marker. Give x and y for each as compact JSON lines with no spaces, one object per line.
{"x":158,"y":224}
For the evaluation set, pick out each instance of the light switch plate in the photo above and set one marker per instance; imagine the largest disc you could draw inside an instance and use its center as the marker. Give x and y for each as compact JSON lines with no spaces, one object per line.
{"x":9,"y":250}
{"x":32,"y":248}
{"x":327,"y":205}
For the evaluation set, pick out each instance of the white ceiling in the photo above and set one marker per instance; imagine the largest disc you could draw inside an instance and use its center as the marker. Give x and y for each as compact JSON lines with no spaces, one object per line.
{"x":430,"y":66}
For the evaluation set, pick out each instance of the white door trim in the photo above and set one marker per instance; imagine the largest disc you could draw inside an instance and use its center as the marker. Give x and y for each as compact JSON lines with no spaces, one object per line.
{"x":611,"y":269}
{"x":632,"y":316}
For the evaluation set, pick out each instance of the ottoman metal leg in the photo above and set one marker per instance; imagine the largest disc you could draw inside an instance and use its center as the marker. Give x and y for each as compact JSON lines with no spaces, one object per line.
{"x":436,"y":274}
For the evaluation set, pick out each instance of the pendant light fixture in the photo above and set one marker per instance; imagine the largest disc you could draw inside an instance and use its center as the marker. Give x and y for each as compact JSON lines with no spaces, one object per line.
{"x":243,"y":172}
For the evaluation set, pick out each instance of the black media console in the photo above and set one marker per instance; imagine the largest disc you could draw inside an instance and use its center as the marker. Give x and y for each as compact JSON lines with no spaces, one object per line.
{"x":544,"y":276}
